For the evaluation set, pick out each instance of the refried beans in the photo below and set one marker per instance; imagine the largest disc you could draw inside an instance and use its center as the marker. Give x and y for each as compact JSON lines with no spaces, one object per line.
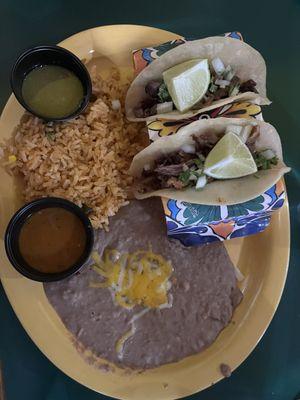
{"x":202,"y":294}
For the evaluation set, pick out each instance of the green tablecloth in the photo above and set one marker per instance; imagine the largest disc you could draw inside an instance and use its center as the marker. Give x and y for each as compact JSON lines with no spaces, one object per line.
{"x":272,"y":371}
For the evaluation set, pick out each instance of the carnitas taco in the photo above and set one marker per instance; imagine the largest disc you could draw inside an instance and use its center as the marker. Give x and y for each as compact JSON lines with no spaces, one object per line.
{"x":198,"y":75}
{"x":217,"y":161}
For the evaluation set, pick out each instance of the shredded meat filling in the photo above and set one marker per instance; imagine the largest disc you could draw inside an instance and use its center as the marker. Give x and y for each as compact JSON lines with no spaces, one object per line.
{"x":251,"y":141}
{"x":248,"y":86}
{"x":169,"y":170}
{"x":152,"y":88}
{"x":157,"y":92}
{"x":180,"y":170}
{"x":174,"y":182}
{"x":205,"y":143}
{"x":147,"y":108}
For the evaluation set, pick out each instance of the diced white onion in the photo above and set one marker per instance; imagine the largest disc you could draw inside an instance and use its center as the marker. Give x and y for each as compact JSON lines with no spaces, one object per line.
{"x":218,"y":65}
{"x":147,"y":167}
{"x":228,"y":73}
{"x":166,"y":107}
{"x":201,"y":182}
{"x":268,"y":154}
{"x":222,"y":82}
{"x":116,"y":105}
{"x":188,"y":148}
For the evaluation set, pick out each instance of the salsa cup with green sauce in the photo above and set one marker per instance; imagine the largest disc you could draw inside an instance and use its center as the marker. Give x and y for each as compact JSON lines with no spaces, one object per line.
{"x":51,"y":83}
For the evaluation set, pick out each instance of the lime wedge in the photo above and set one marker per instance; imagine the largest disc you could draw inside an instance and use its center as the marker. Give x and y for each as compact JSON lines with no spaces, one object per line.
{"x":230,"y":158}
{"x":187,"y":82}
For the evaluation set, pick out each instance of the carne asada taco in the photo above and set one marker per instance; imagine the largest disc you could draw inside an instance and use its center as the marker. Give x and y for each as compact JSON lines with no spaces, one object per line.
{"x":202,"y":74}
{"x":217,"y":161}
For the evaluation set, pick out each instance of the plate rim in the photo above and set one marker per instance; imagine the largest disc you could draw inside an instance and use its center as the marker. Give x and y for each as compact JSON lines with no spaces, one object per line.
{"x":284,"y":210}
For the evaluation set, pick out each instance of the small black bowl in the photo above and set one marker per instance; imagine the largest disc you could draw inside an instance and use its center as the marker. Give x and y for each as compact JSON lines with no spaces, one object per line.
{"x":14,"y":228}
{"x":49,"y":55}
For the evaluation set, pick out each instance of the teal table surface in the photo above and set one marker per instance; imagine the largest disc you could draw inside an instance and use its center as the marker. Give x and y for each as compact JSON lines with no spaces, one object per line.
{"x":272,"y":371}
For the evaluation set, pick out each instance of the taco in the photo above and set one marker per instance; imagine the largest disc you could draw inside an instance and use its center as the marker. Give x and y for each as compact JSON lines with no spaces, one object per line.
{"x":198,"y":75}
{"x":217,"y":161}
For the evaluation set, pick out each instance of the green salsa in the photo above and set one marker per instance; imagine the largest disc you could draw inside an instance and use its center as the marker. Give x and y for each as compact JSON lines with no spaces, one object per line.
{"x":52,"y":91}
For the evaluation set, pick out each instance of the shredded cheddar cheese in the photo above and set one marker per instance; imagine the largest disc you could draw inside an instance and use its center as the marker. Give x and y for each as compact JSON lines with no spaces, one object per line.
{"x":139,"y":278}
{"x":12,"y":158}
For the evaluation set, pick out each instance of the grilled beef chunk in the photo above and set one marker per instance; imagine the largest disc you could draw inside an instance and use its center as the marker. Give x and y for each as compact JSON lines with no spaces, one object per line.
{"x":205,"y":143}
{"x":146,"y":109}
{"x":248,"y":86}
{"x":152,"y":88}
{"x":179,"y":169}
{"x":221,"y":93}
{"x":169,"y":170}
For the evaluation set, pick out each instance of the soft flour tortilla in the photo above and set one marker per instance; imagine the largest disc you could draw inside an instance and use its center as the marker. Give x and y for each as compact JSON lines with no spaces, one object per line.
{"x":227,"y":192}
{"x":247,"y":62}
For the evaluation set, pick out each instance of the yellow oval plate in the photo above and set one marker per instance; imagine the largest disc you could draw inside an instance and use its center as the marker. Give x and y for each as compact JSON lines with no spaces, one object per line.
{"x":263,"y":259}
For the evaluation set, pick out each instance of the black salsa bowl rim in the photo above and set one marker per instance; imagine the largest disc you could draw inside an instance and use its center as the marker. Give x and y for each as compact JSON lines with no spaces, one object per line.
{"x":15,"y":224}
{"x":84,"y":77}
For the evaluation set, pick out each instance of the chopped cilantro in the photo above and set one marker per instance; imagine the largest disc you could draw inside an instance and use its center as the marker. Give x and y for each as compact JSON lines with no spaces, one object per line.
{"x":198,"y":162}
{"x":50,"y":135}
{"x":264,"y":163}
{"x":184,"y":176}
{"x":198,"y":173}
{"x":163,"y":93}
{"x":213,"y":88}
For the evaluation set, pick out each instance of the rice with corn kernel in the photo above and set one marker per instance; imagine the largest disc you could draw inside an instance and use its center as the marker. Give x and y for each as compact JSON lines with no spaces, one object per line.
{"x":84,"y":160}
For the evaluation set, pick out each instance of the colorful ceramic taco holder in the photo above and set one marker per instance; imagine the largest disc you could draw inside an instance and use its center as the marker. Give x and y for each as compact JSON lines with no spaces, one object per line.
{"x":195,"y":224}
